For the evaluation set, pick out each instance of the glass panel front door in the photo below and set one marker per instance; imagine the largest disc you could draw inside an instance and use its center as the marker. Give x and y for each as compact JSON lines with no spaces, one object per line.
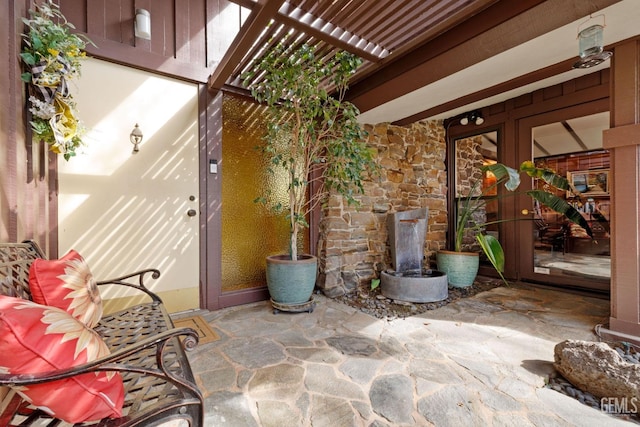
{"x":563,"y":252}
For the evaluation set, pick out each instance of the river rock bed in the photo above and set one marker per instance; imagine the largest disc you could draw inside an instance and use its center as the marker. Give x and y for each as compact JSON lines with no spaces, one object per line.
{"x":375,"y":304}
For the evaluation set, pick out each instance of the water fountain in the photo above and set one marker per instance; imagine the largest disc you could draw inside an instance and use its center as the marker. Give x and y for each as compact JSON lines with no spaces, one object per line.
{"x":410,"y":281}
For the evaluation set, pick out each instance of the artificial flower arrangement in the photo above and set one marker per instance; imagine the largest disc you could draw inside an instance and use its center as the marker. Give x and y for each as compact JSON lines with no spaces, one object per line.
{"x":52,"y":56}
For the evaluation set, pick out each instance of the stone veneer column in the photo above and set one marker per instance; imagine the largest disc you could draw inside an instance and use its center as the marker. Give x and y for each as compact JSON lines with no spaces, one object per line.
{"x":353,"y":246}
{"x":623,"y":139}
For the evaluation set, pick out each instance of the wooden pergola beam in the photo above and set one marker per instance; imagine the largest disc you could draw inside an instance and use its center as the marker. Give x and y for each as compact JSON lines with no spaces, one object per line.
{"x":262,"y":13}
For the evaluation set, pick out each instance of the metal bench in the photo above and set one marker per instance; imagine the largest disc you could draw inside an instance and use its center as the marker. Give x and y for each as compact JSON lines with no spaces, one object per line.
{"x":145,"y":348}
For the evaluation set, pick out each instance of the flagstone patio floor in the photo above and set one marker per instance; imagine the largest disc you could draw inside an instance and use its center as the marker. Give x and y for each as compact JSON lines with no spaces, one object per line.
{"x":479,"y":361}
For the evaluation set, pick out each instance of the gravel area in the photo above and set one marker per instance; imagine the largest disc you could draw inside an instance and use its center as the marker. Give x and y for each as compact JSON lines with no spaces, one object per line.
{"x":375,"y":304}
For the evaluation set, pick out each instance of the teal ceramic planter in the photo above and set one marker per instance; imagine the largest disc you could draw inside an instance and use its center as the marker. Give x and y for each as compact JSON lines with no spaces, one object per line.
{"x":461,"y":267}
{"x":291,"y":282}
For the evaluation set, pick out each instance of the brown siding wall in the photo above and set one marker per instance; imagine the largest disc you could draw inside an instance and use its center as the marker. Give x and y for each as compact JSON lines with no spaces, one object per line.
{"x":27,"y":174}
{"x":188,"y":37}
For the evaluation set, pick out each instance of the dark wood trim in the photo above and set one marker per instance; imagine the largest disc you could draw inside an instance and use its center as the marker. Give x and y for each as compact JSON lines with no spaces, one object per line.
{"x":210,"y":199}
{"x":624,"y":140}
{"x":13,"y":98}
{"x":149,"y":61}
{"x":52,"y":187}
{"x":489,"y":92}
{"x":589,"y":93}
{"x":203,"y":103}
{"x":524,"y":231}
{"x":244,"y":297}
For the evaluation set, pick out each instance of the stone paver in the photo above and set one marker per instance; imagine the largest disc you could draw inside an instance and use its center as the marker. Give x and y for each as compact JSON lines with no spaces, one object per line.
{"x":479,"y":361}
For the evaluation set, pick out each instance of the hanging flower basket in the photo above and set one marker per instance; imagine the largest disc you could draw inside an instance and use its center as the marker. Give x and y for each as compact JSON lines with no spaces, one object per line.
{"x":52,"y":55}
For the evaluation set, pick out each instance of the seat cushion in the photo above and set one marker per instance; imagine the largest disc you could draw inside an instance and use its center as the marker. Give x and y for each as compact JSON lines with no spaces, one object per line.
{"x":67,"y":283}
{"x":35,"y":339}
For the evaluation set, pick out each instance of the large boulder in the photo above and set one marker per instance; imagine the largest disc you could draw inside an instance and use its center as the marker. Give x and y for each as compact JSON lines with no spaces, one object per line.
{"x":597,"y":368}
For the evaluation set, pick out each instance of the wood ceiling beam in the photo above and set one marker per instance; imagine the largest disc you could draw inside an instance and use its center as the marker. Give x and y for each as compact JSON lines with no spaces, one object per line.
{"x":500,"y":88}
{"x":262,"y":13}
{"x":541,"y":148}
{"x":574,"y":135}
{"x":500,"y":27}
{"x":429,"y":60}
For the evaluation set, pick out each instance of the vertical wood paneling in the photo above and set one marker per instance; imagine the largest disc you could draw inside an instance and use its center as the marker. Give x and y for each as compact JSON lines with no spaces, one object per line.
{"x":117,"y":15}
{"x":183,"y":34}
{"x":197,"y":28}
{"x":192,"y":35}
{"x":80,"y":13}
{"x":163,"y":23}
{"x":10,"y":87}
{"x":127,"y":13}
{"x":94,"y":16}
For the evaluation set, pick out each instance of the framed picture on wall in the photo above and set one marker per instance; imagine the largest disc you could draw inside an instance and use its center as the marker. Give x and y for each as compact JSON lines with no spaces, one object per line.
{"x":590,"y":182}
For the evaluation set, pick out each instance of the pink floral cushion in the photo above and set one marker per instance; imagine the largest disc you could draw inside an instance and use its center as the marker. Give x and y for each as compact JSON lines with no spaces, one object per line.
{"x":67,"y":283}
{"x":34,"y":339}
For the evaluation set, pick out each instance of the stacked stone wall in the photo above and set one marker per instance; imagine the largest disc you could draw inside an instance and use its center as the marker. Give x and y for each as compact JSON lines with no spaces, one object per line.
{"x":353,"y":245}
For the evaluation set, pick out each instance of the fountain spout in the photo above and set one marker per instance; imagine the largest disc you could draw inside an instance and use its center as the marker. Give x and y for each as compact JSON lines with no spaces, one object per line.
{"x":410,"y":281}
{"x":407,"y":234}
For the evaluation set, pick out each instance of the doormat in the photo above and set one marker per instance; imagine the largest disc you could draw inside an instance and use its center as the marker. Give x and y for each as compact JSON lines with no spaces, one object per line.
{"x":197,"y":323}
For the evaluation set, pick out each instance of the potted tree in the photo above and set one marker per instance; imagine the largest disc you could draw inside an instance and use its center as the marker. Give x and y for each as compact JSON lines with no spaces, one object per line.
{"x":314,"y":140}
{"x":462,"y":266}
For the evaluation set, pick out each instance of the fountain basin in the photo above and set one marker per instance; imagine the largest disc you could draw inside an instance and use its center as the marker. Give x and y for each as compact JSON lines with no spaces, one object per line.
{"x":430,"y":286}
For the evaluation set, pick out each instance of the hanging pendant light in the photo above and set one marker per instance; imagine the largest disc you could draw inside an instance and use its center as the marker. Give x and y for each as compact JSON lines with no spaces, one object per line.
{"x":590,"y":44}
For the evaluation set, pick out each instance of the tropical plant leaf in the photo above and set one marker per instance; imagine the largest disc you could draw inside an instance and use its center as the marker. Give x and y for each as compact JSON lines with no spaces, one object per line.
{"x":503,"y":173}
{"x":547,"y":175}
{"x":561,"y":206}
{"x":492,"y":249}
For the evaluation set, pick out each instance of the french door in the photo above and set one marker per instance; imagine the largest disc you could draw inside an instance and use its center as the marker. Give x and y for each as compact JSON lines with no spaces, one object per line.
{"x":552,"y":250}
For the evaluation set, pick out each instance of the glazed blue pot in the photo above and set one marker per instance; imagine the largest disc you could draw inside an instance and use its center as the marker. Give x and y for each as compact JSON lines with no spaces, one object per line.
{"x":291,"y":282}
{"x":461,"y":267}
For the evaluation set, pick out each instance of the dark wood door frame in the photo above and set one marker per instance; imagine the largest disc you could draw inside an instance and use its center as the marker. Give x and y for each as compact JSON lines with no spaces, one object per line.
{"x":510,"y":116}
{"x":524,"y":232}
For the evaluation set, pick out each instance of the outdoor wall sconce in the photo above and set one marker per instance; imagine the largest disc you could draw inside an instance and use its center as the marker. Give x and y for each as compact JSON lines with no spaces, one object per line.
{"x":472,"y":117}
{"x":136,"y":138}
{"x":142,"y":27}
{"x":590,"y":44}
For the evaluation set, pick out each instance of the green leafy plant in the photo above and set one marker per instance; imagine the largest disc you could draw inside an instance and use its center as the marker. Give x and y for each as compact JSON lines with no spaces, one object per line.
{"x":510,"y":178}
{"x":313,"y":135}
{"x":52,"y":55}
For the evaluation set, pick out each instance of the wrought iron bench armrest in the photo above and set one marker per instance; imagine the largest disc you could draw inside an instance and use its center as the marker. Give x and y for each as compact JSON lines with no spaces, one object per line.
{"x":126,"y":281}
{"x":109,"y":363}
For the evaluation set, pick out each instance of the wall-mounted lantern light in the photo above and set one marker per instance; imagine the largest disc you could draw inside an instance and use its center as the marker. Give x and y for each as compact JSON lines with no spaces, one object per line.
{"x":142,"y":27}
{"x":136,"y":138}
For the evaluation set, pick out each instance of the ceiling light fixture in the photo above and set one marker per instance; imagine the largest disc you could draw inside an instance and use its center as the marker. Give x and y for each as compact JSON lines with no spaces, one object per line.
{"x":590,"y":44}
{"x":472,"y":117}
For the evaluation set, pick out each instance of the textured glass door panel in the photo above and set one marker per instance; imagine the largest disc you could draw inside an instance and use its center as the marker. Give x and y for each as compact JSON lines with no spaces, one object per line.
{"x":250,"y":231}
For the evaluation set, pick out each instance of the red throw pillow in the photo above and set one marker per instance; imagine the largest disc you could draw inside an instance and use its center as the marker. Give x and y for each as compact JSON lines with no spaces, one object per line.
{"x":67,"y":283}
{"x":35,"y":338}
